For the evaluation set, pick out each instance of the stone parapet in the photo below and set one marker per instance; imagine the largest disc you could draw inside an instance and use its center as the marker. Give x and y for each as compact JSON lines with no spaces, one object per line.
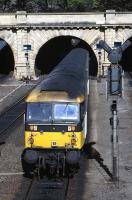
{"x":43,"y":19}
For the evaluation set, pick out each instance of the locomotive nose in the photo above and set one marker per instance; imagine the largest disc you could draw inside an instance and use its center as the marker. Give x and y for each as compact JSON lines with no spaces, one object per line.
{"x":31,"y":156}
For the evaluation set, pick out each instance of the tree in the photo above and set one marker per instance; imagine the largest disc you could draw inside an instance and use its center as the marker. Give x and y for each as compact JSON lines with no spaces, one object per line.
{"x":5,"y":5}
{"x":76,"y":5}
{"x":64,"y":5}
{"x":95,"y":5}
{"x":118,"y":5}
{"x":83,"y":5}
{"x":21,"y":4}
{"x":42,"y":5}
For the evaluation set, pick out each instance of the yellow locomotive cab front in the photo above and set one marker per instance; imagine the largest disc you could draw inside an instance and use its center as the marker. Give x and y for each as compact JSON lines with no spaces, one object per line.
{"x":54,"y":140}
{"x":53,"y":124}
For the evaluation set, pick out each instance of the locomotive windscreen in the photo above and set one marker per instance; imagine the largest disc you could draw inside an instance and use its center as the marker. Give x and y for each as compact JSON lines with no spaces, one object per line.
{"x":70,"y":75}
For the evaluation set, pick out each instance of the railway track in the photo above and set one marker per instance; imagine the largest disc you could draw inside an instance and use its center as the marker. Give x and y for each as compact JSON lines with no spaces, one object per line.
{"x":2,"y":77}
{"x":8,"y":118}
{"x":130,"y":74}
{"x":129,"y":77}
{"x":47,"y":189}
{"x":11,"y":114}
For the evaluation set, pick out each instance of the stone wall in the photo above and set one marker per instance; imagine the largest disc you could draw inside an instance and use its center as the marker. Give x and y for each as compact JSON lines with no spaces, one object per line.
{"x":21,"y":28}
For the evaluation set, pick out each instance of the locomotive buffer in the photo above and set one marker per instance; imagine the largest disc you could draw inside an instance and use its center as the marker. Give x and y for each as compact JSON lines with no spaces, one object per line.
{"x":113,"y":91}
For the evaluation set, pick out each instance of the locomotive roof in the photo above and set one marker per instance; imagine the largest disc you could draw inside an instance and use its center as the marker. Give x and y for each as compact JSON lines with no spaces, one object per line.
{"x":70,"y":74}
{"x":53,"y":96}
{"x":67,"y":82}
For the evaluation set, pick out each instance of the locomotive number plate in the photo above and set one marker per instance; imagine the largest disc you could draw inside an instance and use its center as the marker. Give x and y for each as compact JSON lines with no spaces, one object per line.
{"x":53,"y":143}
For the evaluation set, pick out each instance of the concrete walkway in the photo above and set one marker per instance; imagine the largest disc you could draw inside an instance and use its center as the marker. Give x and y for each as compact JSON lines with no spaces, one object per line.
{"x":92,"y":182}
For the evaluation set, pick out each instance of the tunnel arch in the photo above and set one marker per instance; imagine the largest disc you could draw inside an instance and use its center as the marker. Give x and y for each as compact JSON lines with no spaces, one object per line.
{"x":54,"y":50}
{"x":6,"y":58}
{"x":127,"y":58}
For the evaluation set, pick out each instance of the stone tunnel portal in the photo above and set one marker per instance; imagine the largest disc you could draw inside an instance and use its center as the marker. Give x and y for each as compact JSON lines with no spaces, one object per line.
{"x":6,"y":58}
{"x":51,"y":53}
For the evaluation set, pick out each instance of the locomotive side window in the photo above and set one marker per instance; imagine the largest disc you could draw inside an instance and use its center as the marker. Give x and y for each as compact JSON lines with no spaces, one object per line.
{"x":82,"y":110}
{"x":66,"y":112}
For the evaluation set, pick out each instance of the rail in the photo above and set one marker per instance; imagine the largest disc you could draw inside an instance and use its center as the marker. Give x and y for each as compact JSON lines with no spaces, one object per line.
{"x":13,"y":119}
{"x":46,"y":186}
{"x":14,"y":112}
{"x":29,"y":190}
{"x":130,"y":74}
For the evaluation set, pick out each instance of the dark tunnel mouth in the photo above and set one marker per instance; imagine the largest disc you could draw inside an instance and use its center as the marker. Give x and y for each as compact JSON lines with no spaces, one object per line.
{"x":6,"y":58}
{"x":127,"y":58}
{"x":56,"y":49}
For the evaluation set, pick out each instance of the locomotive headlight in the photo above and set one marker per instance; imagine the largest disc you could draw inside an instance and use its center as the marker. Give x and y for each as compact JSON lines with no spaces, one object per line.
{"x":73,"y":128}
{"x":69,"y":128}
{"x":31,"y":140}
{"x":73,"y":139}
{"x":33,"y":128}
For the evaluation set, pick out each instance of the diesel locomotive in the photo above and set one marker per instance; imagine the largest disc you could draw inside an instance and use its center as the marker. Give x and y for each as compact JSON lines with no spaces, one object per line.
{"x":56,"y":118}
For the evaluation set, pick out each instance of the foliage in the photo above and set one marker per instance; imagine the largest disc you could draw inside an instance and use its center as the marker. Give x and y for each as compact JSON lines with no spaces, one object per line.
{"x":4,"y":5}
{"x":64,"y":5}
{"x":118,"y":5}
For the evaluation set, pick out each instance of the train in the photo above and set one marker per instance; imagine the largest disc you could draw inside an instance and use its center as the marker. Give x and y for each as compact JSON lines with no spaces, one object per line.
{"x":56,"y":119}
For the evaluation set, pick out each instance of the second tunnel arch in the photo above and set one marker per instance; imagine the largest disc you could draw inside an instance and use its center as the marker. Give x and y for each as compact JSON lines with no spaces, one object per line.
{"x":6,"y":58}
{"x":127,"y":58}
{"x":54,"y":50}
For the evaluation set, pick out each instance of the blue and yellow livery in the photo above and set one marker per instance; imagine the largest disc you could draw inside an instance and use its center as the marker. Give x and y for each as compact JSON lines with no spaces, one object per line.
{"x":56,"y":120}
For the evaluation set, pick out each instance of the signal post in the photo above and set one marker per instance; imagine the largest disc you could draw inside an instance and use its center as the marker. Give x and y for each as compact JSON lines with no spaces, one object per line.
{"x":114,"y":91}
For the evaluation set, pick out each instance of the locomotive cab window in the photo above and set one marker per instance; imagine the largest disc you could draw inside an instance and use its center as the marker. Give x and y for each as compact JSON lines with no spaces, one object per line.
{"x":66,"y":112}
{"x":42,"y":113}
{"x":39,"y":112}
